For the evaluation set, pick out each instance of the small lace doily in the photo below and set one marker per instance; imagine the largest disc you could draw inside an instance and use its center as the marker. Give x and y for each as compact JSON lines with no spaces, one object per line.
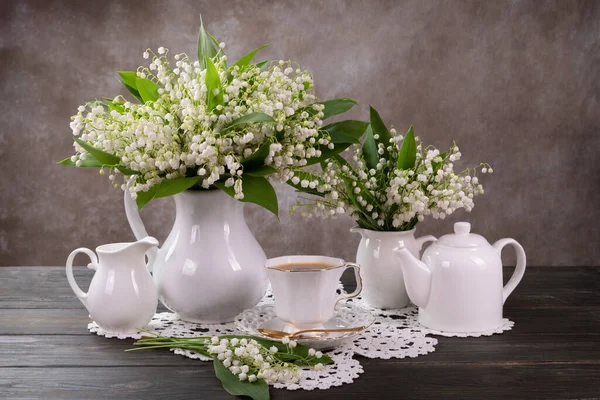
{"x":393,"y":334}
{"x":506,"y":325}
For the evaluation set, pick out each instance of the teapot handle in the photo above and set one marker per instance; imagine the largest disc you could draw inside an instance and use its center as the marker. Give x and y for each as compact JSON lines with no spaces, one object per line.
{"x":137,"y":225}
{"x":519,"y":269}
{"x":83,"y":296}
{"x":424,"y":239}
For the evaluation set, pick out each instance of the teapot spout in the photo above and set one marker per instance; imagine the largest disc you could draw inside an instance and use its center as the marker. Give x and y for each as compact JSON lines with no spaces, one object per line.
{"x":417,"y":276}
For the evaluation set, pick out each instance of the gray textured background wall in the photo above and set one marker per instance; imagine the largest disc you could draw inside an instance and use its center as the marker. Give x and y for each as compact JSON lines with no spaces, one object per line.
{"x":516,"y":83}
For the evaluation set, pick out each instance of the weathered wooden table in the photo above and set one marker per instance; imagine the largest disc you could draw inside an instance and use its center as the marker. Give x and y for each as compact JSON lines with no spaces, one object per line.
{"x":553,"y":352}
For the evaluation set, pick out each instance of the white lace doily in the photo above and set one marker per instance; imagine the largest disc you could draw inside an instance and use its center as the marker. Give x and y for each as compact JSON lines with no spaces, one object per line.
{"x":505,"y":326}
{"x":394,"y":334}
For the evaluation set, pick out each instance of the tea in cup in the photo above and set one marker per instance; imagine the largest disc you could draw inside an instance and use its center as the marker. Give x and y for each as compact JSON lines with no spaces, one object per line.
{"x":305,"y":288}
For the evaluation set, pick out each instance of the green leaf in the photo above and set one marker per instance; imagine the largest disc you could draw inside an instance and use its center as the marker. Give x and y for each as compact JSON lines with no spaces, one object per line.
{"x":129,"y":78}
{"x":326,"y":153}
{"x":349,"y":131}
{"x":408,"y":151}
{"x":256,"y":190}
{"x":127,"y":171}
{"x":247,"y":59}
{"x":129,"y":81}
{"x":116,"y":106}
{"x":257,"y":159}
{"x":380,"y":129}
{"x":206,"y":46}
{"x":100,"y":155}
{"x":148,"y":89}
{"x":437,"y":165}
{"x":213,"y":82}
{"x":369,"y":149}
{"x":134,"y":92}
{"x":89,"y":162}
{"x":249,"y":118}
{"x":258,"y":390}
{"x":261,"y":65}
{"x":261,"y":171}
{"x":337,"y":106}
{"x":305,"y":175}
{"x":300,"y":351}
{"x":168,"y":187}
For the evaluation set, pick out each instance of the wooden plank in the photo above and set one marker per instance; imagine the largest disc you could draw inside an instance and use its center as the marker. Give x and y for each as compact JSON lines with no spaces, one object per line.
{"x":380,"y":381}
{"x":542,"y":287}
{"x":92,"y":350}
{"x":83,"y":351}
{"x":536,"y":321}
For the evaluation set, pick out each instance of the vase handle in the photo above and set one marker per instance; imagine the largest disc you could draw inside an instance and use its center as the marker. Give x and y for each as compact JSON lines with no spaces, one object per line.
{"x":137,"y":225}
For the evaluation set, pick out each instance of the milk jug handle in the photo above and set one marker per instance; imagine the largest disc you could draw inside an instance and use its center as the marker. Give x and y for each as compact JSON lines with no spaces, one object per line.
{"x":83,"y":296}
{"x":137,"y":225}
{"x":519,"y":269}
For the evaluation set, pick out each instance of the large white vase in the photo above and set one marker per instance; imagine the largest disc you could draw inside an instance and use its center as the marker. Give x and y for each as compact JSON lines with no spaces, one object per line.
{"x":210,"y":267}
{"x":383,"y":282}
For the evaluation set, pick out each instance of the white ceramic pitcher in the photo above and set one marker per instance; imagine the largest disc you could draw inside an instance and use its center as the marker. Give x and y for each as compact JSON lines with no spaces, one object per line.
{"x":210,"y":268}
{"x":122,"y":296}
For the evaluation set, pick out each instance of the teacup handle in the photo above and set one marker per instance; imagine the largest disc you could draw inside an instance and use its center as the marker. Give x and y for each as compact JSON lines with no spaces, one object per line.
{"x":358,"y":289}
{"x":83,"y":296}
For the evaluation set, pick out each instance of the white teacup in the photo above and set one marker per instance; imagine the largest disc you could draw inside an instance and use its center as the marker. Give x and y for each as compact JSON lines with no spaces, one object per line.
{"x":305,"y":288}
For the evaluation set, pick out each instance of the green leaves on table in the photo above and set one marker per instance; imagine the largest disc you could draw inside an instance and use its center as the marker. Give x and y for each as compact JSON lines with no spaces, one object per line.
{"x":408,"y":151}
{"x":258,"y":390}
{"x":257,"y":190}
{"x":298,"y":355}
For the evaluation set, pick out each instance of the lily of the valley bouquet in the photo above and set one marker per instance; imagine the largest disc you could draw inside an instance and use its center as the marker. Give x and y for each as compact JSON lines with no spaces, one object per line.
{"x":391,"y":183}
{"x":207,"y":124}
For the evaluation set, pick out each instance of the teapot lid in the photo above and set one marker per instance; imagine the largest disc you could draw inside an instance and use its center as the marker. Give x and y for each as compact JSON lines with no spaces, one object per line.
{"x":462,"y":237}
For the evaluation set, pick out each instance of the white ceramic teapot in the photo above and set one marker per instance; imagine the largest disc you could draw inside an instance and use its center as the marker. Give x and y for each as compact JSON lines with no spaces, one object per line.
{"x":122,"y":295}
{"x":458,"y":286}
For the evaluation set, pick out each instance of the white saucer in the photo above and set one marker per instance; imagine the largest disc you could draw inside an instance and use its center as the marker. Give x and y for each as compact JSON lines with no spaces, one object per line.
{"x":347,"y":316}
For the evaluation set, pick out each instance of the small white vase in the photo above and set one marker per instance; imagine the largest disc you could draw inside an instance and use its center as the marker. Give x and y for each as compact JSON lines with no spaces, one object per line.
{"x":210,"y":268}
{"x":383,"y":282}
